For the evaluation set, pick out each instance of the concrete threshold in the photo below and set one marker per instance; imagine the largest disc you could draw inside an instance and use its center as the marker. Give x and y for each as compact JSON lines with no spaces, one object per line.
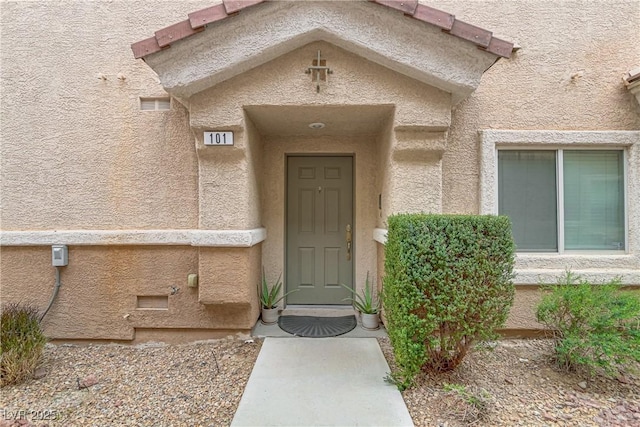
{"x":321,"y":382}
{"x":261,"y":330}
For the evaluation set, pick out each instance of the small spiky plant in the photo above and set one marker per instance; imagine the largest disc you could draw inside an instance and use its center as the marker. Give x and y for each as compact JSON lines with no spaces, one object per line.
{"x":21,"y":342}
{"x":269,"y":294}
{"x":366,"y":303}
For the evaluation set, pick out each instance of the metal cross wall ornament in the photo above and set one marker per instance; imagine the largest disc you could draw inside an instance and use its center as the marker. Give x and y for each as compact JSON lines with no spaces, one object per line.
{"x":319,"y":71}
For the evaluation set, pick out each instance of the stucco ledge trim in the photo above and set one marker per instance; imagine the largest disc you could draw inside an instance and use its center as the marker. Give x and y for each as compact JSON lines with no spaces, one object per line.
{"x":206,"y":238}
{"x":537,"y":277}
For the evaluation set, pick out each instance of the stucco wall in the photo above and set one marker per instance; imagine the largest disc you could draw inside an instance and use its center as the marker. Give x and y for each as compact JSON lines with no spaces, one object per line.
{"x":255,"y":154}
{"x":355,"y":81}
{"x":383,"y":176}
{"x":566,"y":76}
{"x":98,"y":296}
{"x":76,"y":150}
{"x":415,"y":170}
{"x":228,"y":283}
{"x":101,"y":285}
{"x":77,"y":153}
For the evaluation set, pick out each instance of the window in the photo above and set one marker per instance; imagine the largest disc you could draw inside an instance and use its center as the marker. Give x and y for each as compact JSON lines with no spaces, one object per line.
{"x":563,"y":199}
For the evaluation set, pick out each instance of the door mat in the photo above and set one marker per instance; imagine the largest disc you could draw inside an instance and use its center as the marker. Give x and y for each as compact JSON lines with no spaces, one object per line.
{"x":317,"y":327}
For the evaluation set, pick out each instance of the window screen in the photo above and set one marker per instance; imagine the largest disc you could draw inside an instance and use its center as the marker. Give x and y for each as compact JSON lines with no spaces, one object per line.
{"x":593,"y":199}
{"x":528,"y":195}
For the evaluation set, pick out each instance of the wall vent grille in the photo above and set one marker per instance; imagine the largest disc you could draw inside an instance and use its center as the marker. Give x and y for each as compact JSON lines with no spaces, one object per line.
{"x":155,"y":104}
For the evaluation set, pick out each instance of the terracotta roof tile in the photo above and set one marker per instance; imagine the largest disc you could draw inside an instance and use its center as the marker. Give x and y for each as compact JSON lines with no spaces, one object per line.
{"x":206,"y":16}
{"x":145,"y":47}
{"x":481,"y":37}
{"x":408,"y":7}
{"x":175,"y":32}
{"x":469,"y":32}
{"x":435,"y":17}
{"x":500,"y":47}
{"x":233,"y":6}
{"x":197,"y":20}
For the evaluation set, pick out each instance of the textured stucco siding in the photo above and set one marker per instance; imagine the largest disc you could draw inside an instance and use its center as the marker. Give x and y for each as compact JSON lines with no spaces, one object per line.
{"x":566,"y":76}
{"x":383,"y":175}
{"x":355,"y":81}
{"x":77,"y":153}
{"x":98,"y":299}
{"x":143,"y":203}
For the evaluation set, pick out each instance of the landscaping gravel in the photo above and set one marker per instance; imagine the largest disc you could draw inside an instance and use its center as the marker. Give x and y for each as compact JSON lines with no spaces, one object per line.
{"x":521,"y":386}
{"x":147,"y":385}
{"x":201,"y":385}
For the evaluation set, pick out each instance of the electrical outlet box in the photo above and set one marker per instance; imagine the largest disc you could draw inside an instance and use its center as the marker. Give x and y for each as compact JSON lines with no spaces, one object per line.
{"x":59,"y":255}
{"x":192,"y":280}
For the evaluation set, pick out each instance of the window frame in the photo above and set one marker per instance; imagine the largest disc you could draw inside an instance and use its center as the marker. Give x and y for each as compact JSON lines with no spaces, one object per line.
{"x":534,"y":268}
{"x":560,"y":202}
{"x":490,"y":140}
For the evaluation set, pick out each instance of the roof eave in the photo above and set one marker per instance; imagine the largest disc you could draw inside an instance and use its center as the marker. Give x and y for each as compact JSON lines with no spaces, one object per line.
{"x":447,"y":22}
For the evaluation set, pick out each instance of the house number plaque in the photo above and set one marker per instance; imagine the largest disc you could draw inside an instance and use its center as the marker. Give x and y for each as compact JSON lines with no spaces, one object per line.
{"x":218,"y":138}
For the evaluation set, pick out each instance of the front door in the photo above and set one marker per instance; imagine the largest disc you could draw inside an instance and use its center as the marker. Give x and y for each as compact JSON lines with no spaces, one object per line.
{"x":319,"y":229}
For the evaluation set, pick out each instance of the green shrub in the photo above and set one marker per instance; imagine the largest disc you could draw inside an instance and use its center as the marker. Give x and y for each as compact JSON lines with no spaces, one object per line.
{"x":447,"y":285}
{"x":595,"y":327}
{"x":21,"y":342}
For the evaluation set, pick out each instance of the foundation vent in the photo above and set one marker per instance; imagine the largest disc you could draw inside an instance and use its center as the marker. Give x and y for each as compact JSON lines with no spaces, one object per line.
{"x":153,"y":302}
{"x":155,"y":104}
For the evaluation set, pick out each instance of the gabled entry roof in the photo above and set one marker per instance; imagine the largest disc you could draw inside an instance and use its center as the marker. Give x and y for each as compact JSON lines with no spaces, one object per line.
{"x":197,"y":21}
{"x":232,"y":37}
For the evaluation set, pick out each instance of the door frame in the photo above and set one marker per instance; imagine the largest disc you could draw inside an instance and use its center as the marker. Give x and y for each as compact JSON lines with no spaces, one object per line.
{"x":354,"y":244}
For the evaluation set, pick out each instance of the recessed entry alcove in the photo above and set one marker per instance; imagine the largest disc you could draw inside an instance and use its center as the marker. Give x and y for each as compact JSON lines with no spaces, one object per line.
{"x":326,"y":88}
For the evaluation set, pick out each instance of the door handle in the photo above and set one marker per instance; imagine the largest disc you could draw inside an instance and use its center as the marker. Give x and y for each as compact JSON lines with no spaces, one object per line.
{"x":349,"y":238}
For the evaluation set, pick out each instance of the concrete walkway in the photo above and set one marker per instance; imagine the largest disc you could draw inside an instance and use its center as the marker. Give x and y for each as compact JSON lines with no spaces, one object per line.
{"x":321,"y":382}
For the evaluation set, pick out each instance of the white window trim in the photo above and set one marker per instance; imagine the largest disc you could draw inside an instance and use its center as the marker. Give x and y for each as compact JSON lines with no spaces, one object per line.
{"x":533,"y":268}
